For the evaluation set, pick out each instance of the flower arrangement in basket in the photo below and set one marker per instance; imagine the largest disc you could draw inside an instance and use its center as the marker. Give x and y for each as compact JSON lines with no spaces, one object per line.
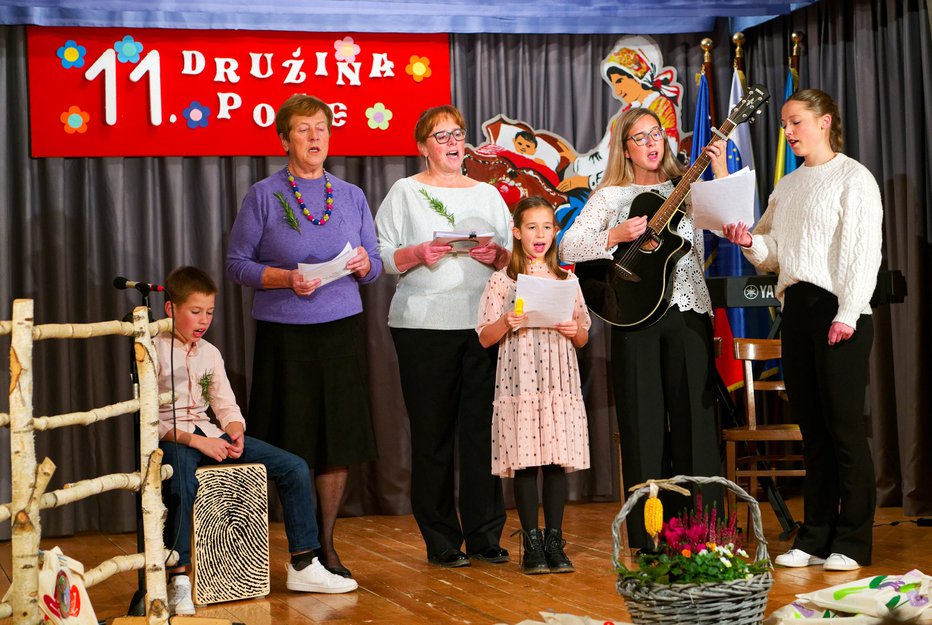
{"x":698,"y":571}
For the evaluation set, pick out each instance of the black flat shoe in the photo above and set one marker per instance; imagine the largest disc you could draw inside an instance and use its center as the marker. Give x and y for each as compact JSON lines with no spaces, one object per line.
{"x":449,"y":559}
{"x":341,"y":570}
{"x":495,"y":555}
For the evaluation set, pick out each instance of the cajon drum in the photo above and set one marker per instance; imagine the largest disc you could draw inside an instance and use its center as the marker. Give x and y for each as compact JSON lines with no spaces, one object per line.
{"x":230,"y":534}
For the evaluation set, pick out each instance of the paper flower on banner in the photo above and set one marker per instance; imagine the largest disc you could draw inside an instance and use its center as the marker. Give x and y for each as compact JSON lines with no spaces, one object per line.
{"x":346,"y":49}
{"x":197,"y":115}
{"x":418,"y":67}
{"x":378,"y":116}
{"x":127,"y":50}
{"x":75,"y":120}
{"x":71,"y":54}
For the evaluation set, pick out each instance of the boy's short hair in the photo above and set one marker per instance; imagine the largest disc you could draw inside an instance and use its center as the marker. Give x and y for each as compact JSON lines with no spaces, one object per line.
{"x":527,"y":136}
{"x":184,"y":282}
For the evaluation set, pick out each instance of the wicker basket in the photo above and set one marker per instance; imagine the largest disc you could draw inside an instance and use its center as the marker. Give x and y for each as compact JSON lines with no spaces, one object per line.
{"x":738,"y":602}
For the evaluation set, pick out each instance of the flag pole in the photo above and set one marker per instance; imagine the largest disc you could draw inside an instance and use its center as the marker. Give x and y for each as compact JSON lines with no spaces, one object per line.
{"x":707,"y":44}
{"x":738,"y":40}
{"x":797,"y":39}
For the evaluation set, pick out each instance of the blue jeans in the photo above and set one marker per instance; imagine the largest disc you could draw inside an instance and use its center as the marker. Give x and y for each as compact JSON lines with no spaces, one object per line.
{"x":289,"y":472}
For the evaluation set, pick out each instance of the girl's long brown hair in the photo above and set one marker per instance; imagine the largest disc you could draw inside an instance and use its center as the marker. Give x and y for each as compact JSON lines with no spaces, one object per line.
{"x":518,"y":262}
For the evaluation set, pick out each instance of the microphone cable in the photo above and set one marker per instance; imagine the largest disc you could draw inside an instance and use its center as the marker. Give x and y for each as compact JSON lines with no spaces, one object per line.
{"x":174,"y":442}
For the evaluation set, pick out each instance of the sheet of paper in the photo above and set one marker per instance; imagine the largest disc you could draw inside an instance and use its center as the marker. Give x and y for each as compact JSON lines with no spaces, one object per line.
{"x":331,"y":270}
{"x":724,"y":200}
{"x":546,"y":302}
{"x":462,"y":240}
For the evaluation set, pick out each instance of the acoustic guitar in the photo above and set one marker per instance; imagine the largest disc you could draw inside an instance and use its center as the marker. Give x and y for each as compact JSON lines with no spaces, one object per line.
{"x":633,"y":290}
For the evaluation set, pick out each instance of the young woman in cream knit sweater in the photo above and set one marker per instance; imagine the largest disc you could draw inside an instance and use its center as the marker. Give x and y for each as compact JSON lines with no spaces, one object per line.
{"x":822,"y":233}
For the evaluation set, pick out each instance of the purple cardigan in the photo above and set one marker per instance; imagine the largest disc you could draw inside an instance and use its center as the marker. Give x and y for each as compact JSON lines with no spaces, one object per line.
{"x":262,"y":238}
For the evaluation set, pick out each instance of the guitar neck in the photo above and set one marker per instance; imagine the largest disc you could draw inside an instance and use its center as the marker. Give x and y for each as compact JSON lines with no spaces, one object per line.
{"x":673,"y":201}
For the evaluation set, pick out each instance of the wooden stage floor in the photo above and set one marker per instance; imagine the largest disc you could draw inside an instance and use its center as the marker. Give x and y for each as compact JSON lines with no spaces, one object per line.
{"x":397,"y":586}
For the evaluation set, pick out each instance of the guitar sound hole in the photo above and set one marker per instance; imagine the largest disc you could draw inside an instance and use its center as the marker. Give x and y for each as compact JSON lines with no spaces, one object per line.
{"x":650,"y":244}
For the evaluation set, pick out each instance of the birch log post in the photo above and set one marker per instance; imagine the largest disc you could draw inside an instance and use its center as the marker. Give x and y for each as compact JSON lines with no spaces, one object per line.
{"x":122,"y":564}
{"x":150,"y":463}
{"x":87,"y":417}
{"x":26,"y":527}
{"x":77,"y":491}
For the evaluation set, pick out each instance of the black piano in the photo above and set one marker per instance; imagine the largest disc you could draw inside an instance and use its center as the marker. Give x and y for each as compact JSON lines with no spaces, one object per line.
{"x":758,"y":291}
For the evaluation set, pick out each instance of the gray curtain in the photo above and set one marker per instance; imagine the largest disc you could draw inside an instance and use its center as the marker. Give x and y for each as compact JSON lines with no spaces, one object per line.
{"x":70,"y":225}
{"x":875,"y":58}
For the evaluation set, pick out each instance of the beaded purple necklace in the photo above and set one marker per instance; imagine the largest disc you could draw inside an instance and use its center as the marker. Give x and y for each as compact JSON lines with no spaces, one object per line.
{"x":297,"y":195}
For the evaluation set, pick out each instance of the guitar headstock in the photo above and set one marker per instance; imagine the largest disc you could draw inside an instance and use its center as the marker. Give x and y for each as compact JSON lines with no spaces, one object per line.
{"x":751,"y":103}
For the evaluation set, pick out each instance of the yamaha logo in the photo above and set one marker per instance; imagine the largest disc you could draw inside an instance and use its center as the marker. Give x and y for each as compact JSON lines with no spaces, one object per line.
{"x":751,"y":292}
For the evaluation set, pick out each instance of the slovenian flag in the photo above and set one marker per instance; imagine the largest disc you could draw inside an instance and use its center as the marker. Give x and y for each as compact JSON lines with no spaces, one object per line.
{"x":729,"y":261}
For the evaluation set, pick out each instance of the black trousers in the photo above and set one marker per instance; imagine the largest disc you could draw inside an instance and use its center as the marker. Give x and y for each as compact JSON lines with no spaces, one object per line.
{"x":448,"y":383}
{"x":826,"y":386}
{"x":665,"y":404}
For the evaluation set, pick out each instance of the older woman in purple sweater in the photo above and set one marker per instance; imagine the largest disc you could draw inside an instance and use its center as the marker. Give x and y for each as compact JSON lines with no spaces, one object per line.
{"x":310,"y":389}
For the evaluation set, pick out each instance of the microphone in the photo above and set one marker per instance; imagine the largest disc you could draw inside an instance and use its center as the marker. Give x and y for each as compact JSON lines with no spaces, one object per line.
{"x":143,"y":287}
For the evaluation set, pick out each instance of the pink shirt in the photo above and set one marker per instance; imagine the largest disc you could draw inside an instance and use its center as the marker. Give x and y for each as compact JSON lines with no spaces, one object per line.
{"x":195,"y":362}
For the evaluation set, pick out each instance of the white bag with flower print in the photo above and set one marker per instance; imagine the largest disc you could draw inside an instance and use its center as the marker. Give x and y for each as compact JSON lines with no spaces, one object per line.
{"x":62,"y":597}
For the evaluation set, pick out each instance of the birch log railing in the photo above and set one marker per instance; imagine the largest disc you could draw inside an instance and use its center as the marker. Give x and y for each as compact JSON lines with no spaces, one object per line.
{"x":29,"y":480}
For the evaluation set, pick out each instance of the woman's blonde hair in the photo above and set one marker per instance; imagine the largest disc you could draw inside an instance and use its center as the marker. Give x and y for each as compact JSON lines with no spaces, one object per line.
{"x":821,"y":104}
{"x":518,"y":262}
{"x":619,"y":171}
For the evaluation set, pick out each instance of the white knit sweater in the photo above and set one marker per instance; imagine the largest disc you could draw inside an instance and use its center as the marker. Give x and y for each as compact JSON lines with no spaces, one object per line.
{"x":823,"y":225}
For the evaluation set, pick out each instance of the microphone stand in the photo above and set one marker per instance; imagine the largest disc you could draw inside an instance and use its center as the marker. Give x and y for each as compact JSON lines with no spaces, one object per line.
{"x":137,"y":605}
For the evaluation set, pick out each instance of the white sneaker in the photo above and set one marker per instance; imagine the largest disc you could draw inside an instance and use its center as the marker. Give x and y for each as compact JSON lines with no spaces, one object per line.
{"x":796,"y":558}
{"x":179,"y":596}
{"x":840,"y":562}
{"x":315,"y":578}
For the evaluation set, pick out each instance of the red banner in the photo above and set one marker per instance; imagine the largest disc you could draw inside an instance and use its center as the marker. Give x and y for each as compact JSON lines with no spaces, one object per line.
{"x":155,"y":92}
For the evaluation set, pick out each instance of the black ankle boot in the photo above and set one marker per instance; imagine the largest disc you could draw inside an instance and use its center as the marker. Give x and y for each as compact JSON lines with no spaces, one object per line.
{"x":554,"y":554}
{"x":534,"y":562}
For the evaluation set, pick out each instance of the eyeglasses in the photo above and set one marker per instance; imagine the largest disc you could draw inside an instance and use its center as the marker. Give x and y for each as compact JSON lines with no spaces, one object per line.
{"x":444,"y":135}
{"x":641,"y":138}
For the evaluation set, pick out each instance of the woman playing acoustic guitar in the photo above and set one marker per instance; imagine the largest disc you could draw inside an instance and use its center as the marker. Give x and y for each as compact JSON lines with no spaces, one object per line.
{"x":664,"y":393}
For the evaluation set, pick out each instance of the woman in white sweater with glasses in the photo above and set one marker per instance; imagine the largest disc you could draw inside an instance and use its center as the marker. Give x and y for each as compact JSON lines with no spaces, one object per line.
{"x":822,"y":233}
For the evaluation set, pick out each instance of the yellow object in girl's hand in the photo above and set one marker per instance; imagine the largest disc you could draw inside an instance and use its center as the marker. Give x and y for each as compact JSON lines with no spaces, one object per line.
{"x":519,"y":306}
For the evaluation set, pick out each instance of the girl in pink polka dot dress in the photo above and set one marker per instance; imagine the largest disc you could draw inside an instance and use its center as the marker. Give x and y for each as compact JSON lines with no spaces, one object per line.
{"x":539,"y":420}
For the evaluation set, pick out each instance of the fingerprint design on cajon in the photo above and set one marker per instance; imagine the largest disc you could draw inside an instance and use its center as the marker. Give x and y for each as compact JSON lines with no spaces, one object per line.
{"x":230,"y":550}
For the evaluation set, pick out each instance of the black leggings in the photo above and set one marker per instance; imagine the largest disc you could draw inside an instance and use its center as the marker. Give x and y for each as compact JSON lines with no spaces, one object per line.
{"x":554,"y":491}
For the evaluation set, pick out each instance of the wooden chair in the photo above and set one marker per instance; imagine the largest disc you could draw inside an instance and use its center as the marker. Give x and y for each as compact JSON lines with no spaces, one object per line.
{"x":754,"y":434}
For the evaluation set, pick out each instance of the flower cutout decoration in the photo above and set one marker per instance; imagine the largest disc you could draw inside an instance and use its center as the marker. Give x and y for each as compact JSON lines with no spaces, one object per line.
{"x":418,"y":67}
{"x":346,"y":49}
{"x":75,"y":120}
{"x":71,"y":54}
{"x":127,"y":49}
{"x":916,"y":599}
{"x":197,"y":115}
{"x":378,"y":116}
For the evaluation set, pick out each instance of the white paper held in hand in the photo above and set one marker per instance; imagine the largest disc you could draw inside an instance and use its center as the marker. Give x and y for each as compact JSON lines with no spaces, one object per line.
{"x":724,"y":200}
{"x":547,"y":302}
{"x":330,"y":270}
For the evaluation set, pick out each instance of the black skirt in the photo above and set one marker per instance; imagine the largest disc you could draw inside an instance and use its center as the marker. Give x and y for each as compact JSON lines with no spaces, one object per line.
{"x":310,"y":391}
